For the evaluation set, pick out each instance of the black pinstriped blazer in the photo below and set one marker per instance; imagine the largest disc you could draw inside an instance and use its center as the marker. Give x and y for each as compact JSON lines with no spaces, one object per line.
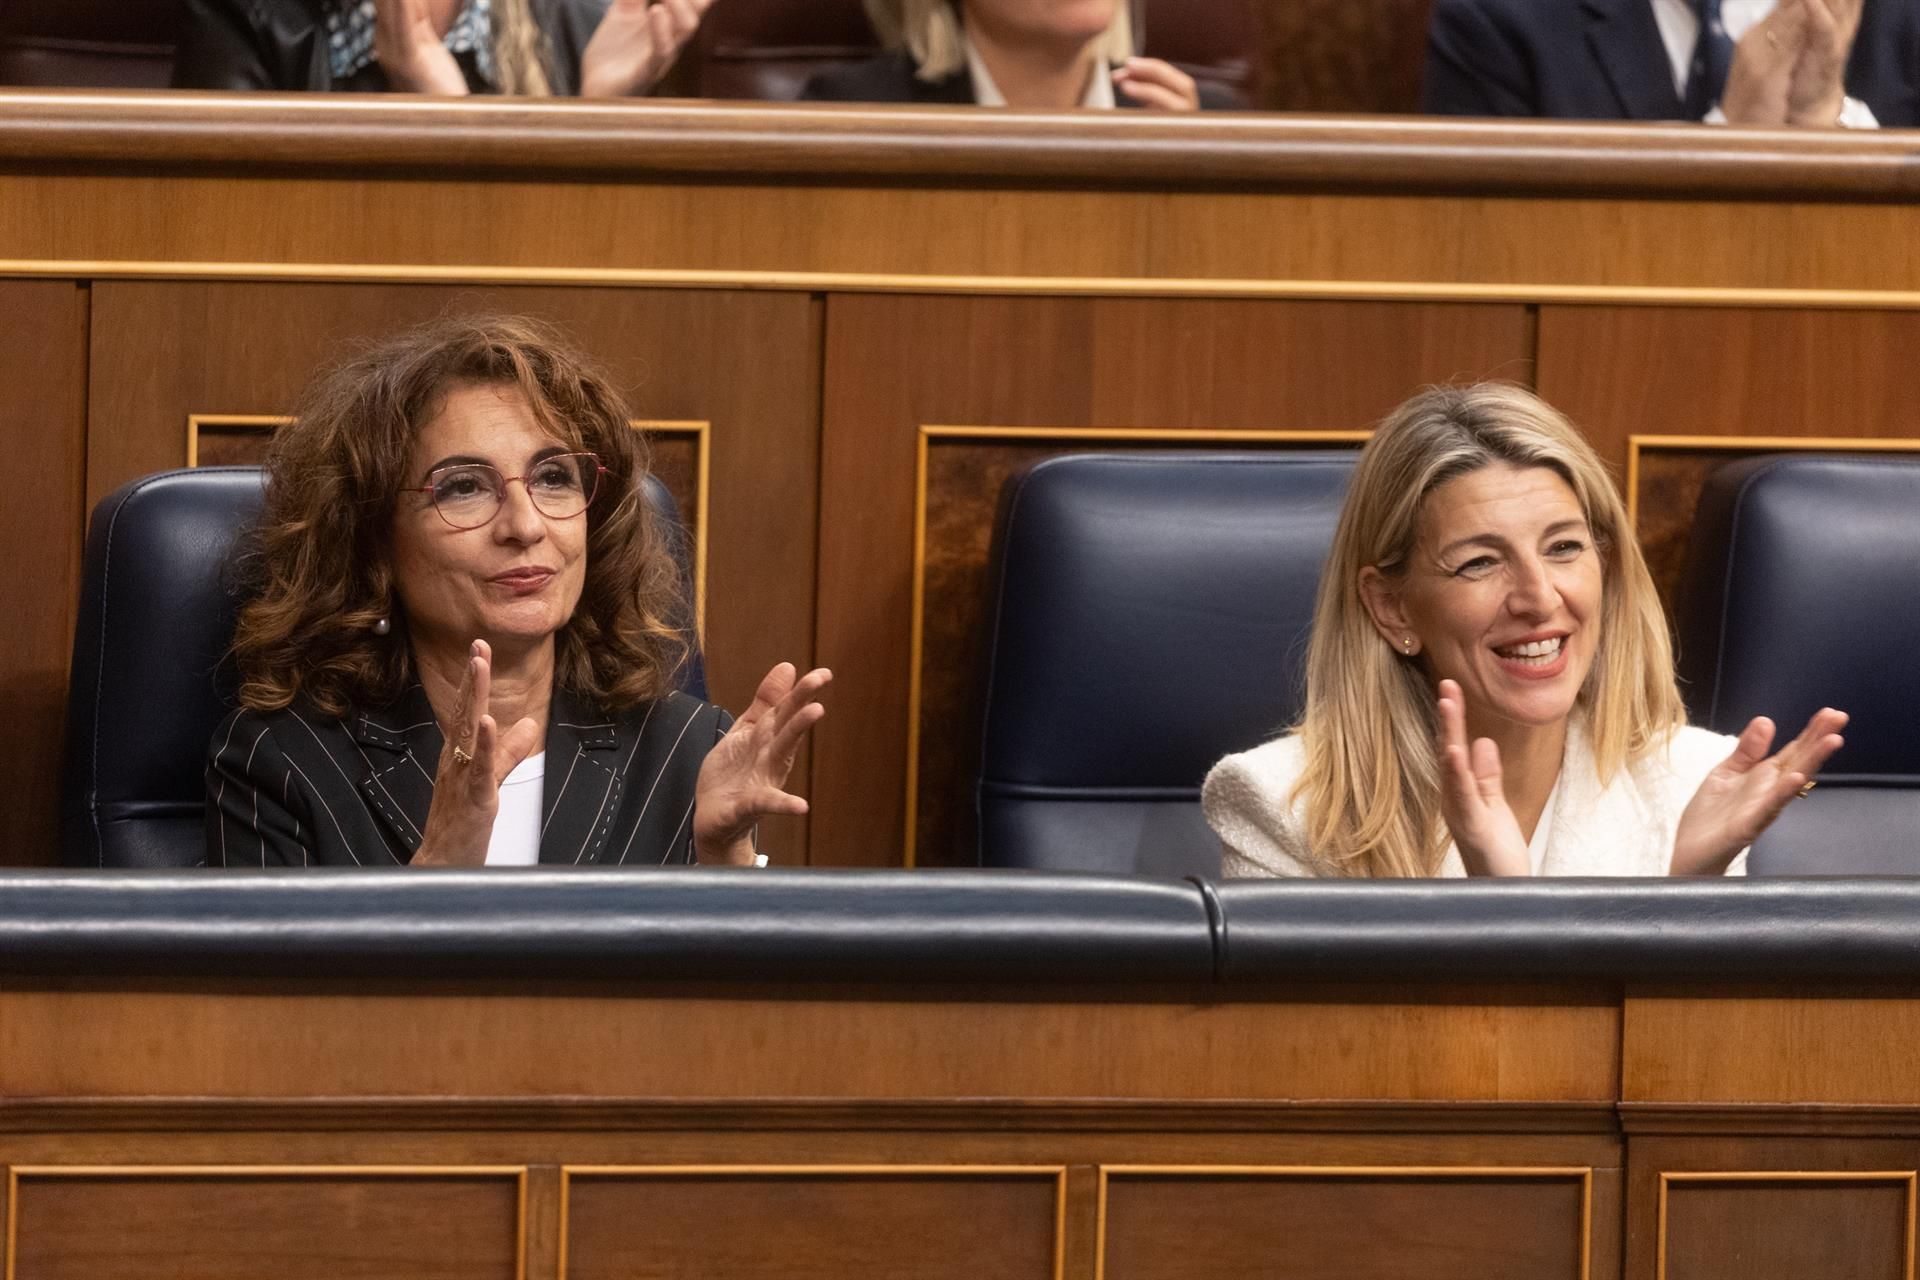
{"x":290,"y":788}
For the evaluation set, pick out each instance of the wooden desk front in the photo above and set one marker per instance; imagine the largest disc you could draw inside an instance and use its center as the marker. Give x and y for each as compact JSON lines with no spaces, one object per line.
{"x":389,"y":1128}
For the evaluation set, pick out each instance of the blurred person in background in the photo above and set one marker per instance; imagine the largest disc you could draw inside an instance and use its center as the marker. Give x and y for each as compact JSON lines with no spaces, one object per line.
{"x":534,"y":48}
{"x":1017,"y":53}
{"x":1800,"y":63}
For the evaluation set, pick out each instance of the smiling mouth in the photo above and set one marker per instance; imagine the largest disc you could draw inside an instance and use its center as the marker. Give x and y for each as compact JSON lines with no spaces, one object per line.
{"x":1534,"y":653}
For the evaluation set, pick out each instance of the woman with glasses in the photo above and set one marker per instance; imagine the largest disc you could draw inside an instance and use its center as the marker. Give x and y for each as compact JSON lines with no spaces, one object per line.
{"x":464,"y":629}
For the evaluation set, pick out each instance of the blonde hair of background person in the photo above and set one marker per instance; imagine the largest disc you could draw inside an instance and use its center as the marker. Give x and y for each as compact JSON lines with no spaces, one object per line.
{"x":1372,"y":783}
{"x":930,"y":31}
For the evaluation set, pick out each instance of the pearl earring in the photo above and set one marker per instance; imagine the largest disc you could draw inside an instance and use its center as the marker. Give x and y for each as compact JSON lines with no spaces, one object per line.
{"x":1407,"y":644}
{"x":381,"y":626}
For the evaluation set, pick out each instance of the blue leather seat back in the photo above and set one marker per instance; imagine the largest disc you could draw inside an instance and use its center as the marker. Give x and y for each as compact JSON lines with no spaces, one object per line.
{"x":149,"y":684}
{"x":1151,"y":615}
{"x":1802,"y":590}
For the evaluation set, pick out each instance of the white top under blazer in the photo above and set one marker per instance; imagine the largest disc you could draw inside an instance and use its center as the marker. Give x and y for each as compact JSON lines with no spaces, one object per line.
{"x":1625,"y":828}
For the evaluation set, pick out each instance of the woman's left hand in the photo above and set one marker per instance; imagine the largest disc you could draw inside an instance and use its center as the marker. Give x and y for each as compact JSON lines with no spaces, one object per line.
{"x":1153,"y":83}
{"x":1746,"y":792}
{"x":742,"y":779}
{"x":635,"y":43}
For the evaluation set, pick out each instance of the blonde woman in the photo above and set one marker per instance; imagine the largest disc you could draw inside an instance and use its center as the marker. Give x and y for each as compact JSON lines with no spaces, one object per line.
{"x":1019,"y":53}
{"x":452,"y":47}
{"x":1490,"y":684}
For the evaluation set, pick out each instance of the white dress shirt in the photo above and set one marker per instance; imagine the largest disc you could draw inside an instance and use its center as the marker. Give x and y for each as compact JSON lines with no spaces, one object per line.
{"x":986,"y":93}
{"x":1680,"y":31}
{"x":516,"y":825}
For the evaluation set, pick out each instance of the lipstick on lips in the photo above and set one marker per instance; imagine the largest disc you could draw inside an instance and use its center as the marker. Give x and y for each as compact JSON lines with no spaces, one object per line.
{"x":1536,"y":657}
{"x":523,"y":581}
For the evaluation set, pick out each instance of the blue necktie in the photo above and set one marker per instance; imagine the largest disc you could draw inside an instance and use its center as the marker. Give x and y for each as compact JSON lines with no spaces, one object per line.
{"x":1712,"y":59}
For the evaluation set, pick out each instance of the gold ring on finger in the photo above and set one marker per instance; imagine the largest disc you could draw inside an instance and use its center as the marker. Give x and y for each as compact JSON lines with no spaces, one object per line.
{"x":1808,"y":789}
{"x":460,"y":757}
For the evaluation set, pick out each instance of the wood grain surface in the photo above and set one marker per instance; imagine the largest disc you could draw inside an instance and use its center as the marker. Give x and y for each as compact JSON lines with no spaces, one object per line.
{"x":297,"y":1224}
{"x":812,"y":1224}
{"x":849,"y":1044}
{"x":1334,"y":1225}
{"x":181,"y":132}
{"x":43,"y":331}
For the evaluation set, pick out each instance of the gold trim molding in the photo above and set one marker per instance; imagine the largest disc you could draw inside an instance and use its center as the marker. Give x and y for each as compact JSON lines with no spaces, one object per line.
{"x":1057,"y":1172}
{"x":1897,"y":1177}
{"x":15,"y":1173}
{"x":1582,"y":1173}
{"x":1090,"y":435}
{"x":1054,"y":286}
{"x":703,"y":473}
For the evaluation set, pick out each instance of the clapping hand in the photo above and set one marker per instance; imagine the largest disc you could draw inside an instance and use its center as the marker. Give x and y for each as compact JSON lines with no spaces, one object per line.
{"x":635,"y":43}
{"x":474,"y":762}
{"x":744,"y":775}
{"x":413,"y":55}
{"x":1747,"y":791}
{"x":1760,"y":82}
{"x":1818,"y":90}
{"x":1153,"y":83}
{"x":1472,"y":799}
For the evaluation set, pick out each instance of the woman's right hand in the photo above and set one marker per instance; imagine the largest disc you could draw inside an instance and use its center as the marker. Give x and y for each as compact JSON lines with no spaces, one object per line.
{"x":474,"y":762}
{"x":1472,"y":799}
{"x":413,"y":55}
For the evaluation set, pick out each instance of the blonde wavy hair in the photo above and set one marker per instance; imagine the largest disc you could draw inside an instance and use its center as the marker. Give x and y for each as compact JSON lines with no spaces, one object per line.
{"x":1370,"y":789}
{"x":317,"y":572}
{"x":519,"y":50}
{"x":931,"y":33}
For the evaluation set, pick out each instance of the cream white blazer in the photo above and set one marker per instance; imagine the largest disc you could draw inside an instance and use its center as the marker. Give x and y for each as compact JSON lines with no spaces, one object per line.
{"x":1623,"y":829}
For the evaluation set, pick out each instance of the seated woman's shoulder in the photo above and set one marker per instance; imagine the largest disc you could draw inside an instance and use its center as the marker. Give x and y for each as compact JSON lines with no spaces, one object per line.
{"x":1247,"y":801}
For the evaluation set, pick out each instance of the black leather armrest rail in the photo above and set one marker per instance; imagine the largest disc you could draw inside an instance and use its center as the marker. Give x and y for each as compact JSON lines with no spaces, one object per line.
{"x":1684,"y":930}
{"x":874,"y":926}
{"x":994,"y":927}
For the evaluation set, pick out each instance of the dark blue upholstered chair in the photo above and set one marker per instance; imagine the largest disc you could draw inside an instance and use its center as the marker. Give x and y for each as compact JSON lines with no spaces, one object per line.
{"x":1802,"y":590}
{"x":1151,"y":615}
{"x":148,"y":685}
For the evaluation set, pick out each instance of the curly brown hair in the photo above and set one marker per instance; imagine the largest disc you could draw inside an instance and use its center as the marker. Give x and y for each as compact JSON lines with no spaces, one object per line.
{"x":319,"y":570}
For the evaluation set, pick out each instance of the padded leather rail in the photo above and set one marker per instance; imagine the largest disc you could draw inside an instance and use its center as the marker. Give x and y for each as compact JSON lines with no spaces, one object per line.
{"x":1012,"y":927}
{"x":842,"y":926}
{"x":1683,"y":930}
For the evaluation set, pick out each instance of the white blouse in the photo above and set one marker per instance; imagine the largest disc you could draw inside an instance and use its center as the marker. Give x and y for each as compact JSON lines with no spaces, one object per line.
{"x":1625,"y":828}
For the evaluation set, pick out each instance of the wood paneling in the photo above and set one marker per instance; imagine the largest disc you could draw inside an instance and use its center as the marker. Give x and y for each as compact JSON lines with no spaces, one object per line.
{"x":812,"y":1225}
{"x":1823,"y":1047}
{"x":628,"y":142}
{"x":43,"y":331}
{"x":292,"y":1225}
{"x":1332,"y":1225}
{"x":1695,"y":371}
{"x":895,"y":365}
{"x":845,"y":1043}
{"x":1798,"y":1225}
{"x":164,"y":351}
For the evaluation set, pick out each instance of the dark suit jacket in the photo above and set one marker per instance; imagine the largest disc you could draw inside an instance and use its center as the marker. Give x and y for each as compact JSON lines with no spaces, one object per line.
{"x":289,"y":788}
{"x":282,"y":44}
{"x":1603,"y":60}
{"x":890,"y":78}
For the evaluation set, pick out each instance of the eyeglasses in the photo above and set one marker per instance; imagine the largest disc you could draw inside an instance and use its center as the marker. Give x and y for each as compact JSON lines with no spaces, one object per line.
{"x":468,"y":494}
